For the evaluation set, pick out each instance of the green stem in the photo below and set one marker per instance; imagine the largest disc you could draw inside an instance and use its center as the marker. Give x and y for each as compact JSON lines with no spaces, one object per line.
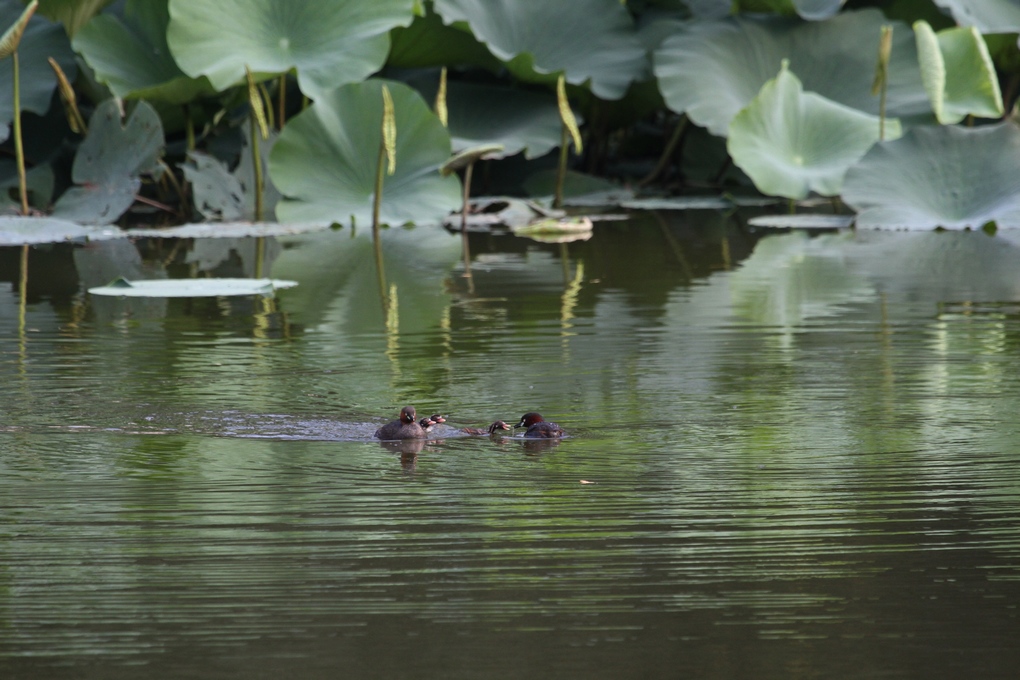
{"x":463,"y":225}
{"x":561,"y":172}
{"x":19,"y":149}
{"x":881,"y":111}
{"x":377,"y":199}
{"x":257,"y":164}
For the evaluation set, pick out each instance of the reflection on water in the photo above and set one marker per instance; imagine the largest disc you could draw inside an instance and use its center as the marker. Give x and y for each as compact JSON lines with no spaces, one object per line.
{"x":789,"y":458}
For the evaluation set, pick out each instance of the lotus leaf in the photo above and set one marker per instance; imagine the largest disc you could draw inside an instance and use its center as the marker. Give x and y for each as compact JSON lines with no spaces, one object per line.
{"x":988,"y":16}
{"x":714,"y":69}
{"x":430,"y":42}
{"x":325,"y":159}
{"x":330,"y":44}
{"x":812,"y":10}
{"x":802,"y":221}
{"x":109,"y":162}
{"x":73,"y":14}
{"x":129,"y":54}
{"x":946,"y":176}
{"x":591,"y":41}
{"x":190,"y":288}
{"x":39,"y":181}
{"x":223,"y":195}
{"x":19,"y":231}
{"x":958,"y":73}
{"x":42,"y":39}
{"x":520,"y":120}
{"x":792,"y":142}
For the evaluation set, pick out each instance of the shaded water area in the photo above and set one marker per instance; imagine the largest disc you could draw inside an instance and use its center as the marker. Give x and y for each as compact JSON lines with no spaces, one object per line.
{"x":791,"y":456}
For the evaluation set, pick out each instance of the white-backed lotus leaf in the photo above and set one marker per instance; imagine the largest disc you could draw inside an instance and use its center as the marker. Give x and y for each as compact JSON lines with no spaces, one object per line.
{"x":791,"y":142}
{"x":802,"y":221}
{"x":591,"y":41}
{"x":227,"y":230}
{"x":958,"y":73}
{"x":19,"y":231}
{"x":129,"y":54}
{"x":329,"y":43}
{"x":109,"y":163}
{"x":191,"y":288}
{"x":42,"y":39}
{"x":946,"y":176}
{"x":325,"y":160}
{"x":988,"y":16}
{"x":712,"y":70}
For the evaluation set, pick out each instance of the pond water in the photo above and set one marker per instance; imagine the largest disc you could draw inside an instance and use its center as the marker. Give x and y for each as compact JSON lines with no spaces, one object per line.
{"x":790,"y":456}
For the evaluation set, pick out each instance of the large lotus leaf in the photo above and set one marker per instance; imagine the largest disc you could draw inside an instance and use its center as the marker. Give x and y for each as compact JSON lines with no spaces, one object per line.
{"x":73,"y":14}
{"x":712,"y":70}
{"x":477,"y":115}
{"x":792,"y":142}
{"x":42,"y":39}
{"x":109,"y":163}
{"x":330,"y":43}
{"x":325,"y":160}
{"x":589,"y":40}
{"x":812,"y":10}
{"x":947,"y":176}
{"x":129,"y":54}
{"x":958,"y":73}
{"x":988,"y":16}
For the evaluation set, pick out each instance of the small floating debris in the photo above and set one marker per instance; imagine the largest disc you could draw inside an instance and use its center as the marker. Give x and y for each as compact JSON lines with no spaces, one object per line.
{"x":557,"y":230}
{"x":585,"y":481}
{"x":802,"y":221}
{"x":188,"y":288}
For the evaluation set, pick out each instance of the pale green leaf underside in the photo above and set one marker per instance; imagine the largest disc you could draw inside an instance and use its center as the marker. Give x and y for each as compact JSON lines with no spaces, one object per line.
{"x":792,"y":142}
{"x":958,"y":73}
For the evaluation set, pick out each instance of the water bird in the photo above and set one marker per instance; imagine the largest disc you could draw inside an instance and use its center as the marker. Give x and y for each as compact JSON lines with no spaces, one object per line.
{"x":404,"y":427}
{"x":539,"y":426}
{"x":495,"y":428}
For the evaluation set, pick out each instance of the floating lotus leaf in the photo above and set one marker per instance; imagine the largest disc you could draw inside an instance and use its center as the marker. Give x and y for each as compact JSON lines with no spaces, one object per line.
{"x":802,"y":221}
{"x":988,"y":16}
{"x":958,"y":73}
{"x":109,"y":163}
{"x":325,"y":160}
{"x":226,"y":230}
{"x":19,"y":231}
{"x":191,"y":288}
{"x":329,"y":44}
{"x":945,"y":176}
{"x":792,"y":142}
{"x":714,"y":69}
{"x":129,"y":54}
{"x":591,"y":41}
{"x":42,"y":39}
